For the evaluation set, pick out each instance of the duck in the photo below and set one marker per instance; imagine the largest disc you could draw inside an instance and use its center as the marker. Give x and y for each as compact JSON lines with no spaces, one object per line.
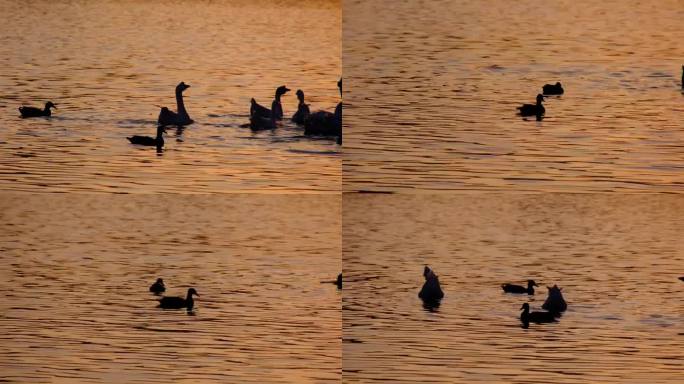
{"x":553,"y":89}
{"x":431,"y":291}
{"x":555,"y":302}
{"x":533,"y":109}
{"x":168,"y":117}
{"x":325,"y":123}
{"x":303,"y":111}
{"x":512,"y":288}
{"x":37,"y":112}
{"x":158,"y":286}
{"x":174,"y":302}
{"x":527,"y":317}
{"x":157,"y":141}
{"x":339,"y":281}
{"x":261,"y":117}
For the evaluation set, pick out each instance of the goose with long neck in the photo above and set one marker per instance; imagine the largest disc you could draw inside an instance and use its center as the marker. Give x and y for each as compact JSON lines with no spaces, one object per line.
{"x":37,"y":112}
{"x":261,"y":117}
{"x":168,"y":117}
{"x":303,"y":111}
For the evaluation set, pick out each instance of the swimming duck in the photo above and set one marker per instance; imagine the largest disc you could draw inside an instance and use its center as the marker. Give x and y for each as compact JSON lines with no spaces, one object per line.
{"x":168,"y":302}
{"x":261,"y":117}
{"x":339,"y":281}
{"x":555,"y":302}
{"x":553,"y":89}
{"x":533,"y":109}
{"x":431,"y":291}
{"x":168,"y":117}
{"x":158,"y":286}
{"x":512,"y":288}
{"x":527,"y":317}
{"x":325,"y":123}
{"x":157,"y":141}
{"x":37,"y":112}
{"x":302,"y":109}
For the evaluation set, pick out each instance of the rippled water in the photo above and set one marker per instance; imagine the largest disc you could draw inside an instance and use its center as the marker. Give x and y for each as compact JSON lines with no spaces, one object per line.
{"x":617,"y":259}
{"x":74,"y":272}
{"x":434,"y":86}
{"x":108,"y":64}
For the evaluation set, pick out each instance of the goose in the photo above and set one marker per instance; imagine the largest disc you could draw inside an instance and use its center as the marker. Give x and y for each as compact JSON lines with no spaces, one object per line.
{"x":512,"y":288}
{"x":261,"y":117}
{"x":555,"y":302}
{"x":158,"y":286}
{"x":37,"y":112}
{"x":168,"y":117}
{"x":169,"y":302}
{"x":553,"y":89}
{"x":157,"y":141}
{"x":325,"y":123}
{"x":302,"y":109}
{"x":431,"y":291}
{"x":527,"y":317}
{"x":533,"y":109}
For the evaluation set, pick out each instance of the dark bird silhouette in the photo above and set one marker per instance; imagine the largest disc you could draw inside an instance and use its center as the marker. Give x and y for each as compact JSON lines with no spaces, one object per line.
{"x":261,"y":117}
{"x":553,"y":89}
{"x":533,"y":109}
{"x":527,"y":317}
{"x":303,"y":111}
{"x":325,"y":123}
{"x":431,"y":291}
{"x":157,"y":141}
{"x":512,"y":288}
{"x":168,"y":117}
{"x":37,"y":112}
{"x":174,"y":302}
{"x":339,"y":281}
{"x":555,"y":302}
{"x":158,"y":286}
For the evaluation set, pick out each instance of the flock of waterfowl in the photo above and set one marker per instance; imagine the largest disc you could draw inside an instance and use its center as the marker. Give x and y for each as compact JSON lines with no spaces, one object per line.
{"x":431,"y":293}
{"x":319,"y":123}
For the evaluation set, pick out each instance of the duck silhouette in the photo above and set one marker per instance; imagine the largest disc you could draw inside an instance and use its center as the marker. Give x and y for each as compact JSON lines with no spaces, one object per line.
{"x":158,"y":286}
{"x":37,"y":112}
{"x":527,"y":317}
{"x":555,"y":302}
{"x":431,"y":290}
{"x":157,"y":141}
{"x":261,"y":117}
{"x":175,"y":302}
{"x":512,"y":288}
{"x":533,"y":109}
{"x":553,"y":89}
{"x":168,"y":117}
{"x":324,"y":123}
{"x":339,"y":281}
{"x":303,"y":111}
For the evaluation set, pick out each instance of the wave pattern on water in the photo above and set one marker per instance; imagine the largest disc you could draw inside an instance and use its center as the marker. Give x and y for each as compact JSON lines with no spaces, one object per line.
{"x":108,"y":65}
{"x":434,"y":86}
{"x":75,"y":274}
{"x":617,"y":259}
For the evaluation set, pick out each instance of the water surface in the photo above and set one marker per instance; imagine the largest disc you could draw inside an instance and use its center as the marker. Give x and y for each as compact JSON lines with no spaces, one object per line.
{"x":109,"y":64}
{"x":75,"y":272}
{"x":433,"y":87}
{"x":617,"y":260}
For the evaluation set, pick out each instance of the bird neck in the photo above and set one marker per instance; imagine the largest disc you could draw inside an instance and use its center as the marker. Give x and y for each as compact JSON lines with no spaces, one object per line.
{"x":180,"y":104}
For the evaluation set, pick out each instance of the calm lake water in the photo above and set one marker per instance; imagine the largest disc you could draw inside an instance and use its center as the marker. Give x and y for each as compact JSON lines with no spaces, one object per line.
{"x":617,"y":259}
{"x":108,"y":64}
{"x":75,"y":272}
{"x":434,"y":86}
